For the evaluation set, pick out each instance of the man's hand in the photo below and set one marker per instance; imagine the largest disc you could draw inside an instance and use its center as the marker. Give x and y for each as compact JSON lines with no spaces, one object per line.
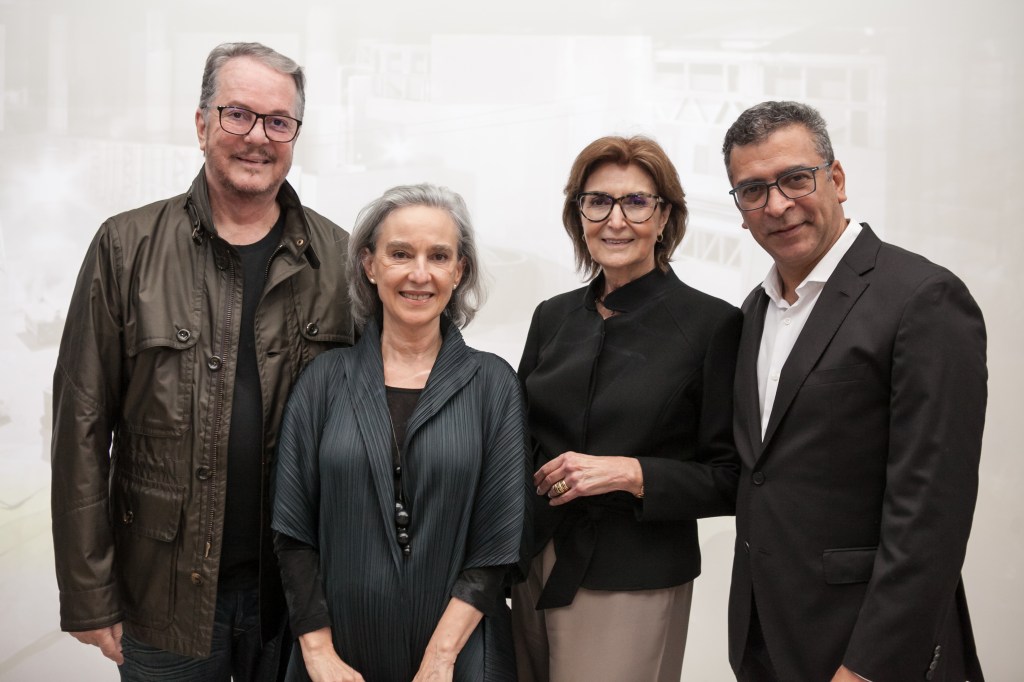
{"x":844,"y":674}
{"x":107,"y":639}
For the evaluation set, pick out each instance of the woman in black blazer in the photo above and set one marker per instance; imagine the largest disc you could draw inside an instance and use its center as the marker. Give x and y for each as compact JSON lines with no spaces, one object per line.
{"x":629,"y":394}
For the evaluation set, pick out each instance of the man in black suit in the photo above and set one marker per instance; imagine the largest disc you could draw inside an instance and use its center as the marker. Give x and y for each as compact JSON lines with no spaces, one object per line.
{"x":859,"y":409}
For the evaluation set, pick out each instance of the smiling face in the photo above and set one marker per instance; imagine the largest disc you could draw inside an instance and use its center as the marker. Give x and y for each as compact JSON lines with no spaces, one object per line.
{"x":623,"y":249}
{"x":796,"y":233}
{"x":246,"y":166}
{"x":415,"y":265}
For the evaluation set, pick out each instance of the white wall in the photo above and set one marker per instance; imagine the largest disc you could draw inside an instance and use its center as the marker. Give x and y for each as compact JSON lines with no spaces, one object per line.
{"x":96,"y":116}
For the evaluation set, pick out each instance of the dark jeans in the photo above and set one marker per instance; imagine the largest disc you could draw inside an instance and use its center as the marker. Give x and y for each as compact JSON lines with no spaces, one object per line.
{"x":236,"y":653}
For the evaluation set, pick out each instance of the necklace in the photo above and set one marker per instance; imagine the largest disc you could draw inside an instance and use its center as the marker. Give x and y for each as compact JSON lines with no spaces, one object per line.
{"x":402,"y":517}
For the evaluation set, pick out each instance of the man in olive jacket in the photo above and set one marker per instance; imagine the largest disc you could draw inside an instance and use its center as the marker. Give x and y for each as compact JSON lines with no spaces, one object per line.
{"x":190,"y":322}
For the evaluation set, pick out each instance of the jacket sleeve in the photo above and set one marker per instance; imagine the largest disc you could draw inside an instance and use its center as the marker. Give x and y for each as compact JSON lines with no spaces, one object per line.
{"x":937,"y":412}
{"x":499,"y":513}
{"x":86,"y":405}
{"x":706,"y":484}
{"x":296,"y":480}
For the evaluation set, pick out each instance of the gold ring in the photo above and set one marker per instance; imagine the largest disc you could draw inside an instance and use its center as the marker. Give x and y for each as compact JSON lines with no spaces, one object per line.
{"x":561,"y":487}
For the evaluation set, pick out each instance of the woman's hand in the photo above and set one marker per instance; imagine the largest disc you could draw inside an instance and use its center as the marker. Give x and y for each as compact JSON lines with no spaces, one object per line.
{"x":436,"y":666}
{"x":322,"y":662}
{"x":456,"y":625}
{"x":587,"y":475}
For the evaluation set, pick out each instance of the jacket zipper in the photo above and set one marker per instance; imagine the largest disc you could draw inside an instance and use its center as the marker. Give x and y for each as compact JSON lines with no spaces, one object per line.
{"x":219,"y":407}
{"x":263,"y":441}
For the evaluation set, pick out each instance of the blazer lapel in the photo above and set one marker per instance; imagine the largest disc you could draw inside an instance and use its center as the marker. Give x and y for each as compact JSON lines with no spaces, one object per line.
{"x":369,"y":399}
{"x":747,"y":421}
{"x":838,"y":297}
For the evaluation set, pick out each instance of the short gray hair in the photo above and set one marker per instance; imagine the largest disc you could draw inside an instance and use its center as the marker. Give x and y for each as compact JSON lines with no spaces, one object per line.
{"x":223,"y":53}
{"x":758,"y":122}
{"x":465,"y":300}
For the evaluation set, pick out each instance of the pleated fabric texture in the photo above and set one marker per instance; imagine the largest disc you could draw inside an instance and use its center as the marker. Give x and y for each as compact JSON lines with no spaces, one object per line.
{"x":464,"y":462}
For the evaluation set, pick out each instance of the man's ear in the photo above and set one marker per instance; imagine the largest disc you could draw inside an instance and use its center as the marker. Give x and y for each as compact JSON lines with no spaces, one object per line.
{"x":201,"y":129}
{"x":839,"y":180}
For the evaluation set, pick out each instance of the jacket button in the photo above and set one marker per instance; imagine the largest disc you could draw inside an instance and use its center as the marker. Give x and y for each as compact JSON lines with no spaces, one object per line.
{"x":758,"y":478}
{"x":184,"y":335}
{"x":213,"y":363}
{"x":312,"y":329}
{"x":196,"y":578}
{"x":128,"y":517}
{"x":203,"y":473}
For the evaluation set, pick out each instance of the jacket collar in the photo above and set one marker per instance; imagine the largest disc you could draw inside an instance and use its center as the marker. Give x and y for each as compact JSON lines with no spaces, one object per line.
{"x":454,"y":367}
{"x":296,"y":229}
{"x":632,"y":295}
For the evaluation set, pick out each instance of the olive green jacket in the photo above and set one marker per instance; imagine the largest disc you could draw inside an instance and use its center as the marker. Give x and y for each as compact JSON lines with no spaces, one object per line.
{"x":142,"y":399}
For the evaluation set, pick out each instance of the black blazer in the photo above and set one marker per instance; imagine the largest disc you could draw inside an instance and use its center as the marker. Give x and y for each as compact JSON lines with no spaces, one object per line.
{"x":854,"y":511}
{"x":652,"y":382}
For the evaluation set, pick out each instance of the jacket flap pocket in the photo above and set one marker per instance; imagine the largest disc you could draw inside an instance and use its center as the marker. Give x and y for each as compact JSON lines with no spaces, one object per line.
{"x":845,"y":566}
{"x":167,"y":336}
{"x":147,"y":508}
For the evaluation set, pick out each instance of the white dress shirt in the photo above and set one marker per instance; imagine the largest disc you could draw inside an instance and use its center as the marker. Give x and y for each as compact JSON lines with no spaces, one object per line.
{"x":784,"y":322}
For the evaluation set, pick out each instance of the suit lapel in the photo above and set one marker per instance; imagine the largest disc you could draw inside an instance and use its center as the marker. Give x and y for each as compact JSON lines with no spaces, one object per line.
{"x":838,"y":297}
{"x":747,"y":424}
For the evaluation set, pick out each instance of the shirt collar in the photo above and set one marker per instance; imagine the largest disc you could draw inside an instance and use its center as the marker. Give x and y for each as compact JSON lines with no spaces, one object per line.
{"x":821,"y":272}
{"x":631,"y":295}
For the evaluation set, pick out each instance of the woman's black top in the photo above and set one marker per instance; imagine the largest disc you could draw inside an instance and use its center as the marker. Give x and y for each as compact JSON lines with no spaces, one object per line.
{"x":654,"y":381}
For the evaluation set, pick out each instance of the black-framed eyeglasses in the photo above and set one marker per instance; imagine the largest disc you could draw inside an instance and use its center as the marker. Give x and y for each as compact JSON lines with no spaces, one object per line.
{"x":637,"y":207}
{"x":241,"y":121}
{"x":793,"y":184}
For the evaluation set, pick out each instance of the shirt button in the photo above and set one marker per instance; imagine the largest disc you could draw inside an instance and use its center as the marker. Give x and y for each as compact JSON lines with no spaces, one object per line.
{"x":214,"y":363}
{"x":787,"y":321}
{"x":774,"y":377}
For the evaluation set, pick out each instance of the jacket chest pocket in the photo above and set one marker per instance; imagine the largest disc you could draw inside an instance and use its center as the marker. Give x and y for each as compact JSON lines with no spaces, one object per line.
{"x":322,"y":315}
{"x":158,"y":396}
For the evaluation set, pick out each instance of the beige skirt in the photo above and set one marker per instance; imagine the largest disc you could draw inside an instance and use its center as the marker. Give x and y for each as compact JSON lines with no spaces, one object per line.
{"x":634,"y":636}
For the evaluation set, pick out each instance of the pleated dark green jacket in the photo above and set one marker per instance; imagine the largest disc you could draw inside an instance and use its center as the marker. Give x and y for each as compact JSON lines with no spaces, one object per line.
{"x":464,"y":463}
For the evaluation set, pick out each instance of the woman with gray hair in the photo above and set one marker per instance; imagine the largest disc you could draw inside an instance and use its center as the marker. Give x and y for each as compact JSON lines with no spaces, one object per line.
{"x":399,"y":483}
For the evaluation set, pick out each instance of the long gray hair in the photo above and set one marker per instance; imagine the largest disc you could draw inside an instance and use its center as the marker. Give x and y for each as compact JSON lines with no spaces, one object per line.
{"x":465,"y":300}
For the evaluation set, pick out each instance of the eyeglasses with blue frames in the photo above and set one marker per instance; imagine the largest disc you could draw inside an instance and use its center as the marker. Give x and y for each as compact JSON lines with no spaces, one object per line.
{"x":637,"y":207}
{"x":241,"y":121}
{"x":793,"y":184}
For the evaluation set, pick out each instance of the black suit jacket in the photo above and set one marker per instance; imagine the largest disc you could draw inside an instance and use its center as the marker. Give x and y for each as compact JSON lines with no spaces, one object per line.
{"x":853,"y":512}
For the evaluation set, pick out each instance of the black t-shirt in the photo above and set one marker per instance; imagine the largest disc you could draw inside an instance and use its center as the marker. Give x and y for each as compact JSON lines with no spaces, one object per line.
{"x":239,"y":563}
